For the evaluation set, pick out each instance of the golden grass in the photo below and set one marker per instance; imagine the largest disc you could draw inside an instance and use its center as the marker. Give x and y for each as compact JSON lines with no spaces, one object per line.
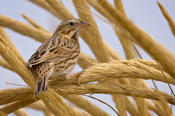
{"x":119,"y":78}
{"x":5,"y":65}
{"x":86,"y":105}
{"x":128,"y":46}
{"x":21,"y":112}
{"x":41,"y":107}
{"x":23,"y":28}
{"x":33,"y":23}
{"x":80,"y":112}
{"x":167,"y":17}
{"x":157,"y":51}
{"x":3,"y":114}
{"x":58,"y":6}
{"x":108,"y":87}
{"x":95,"y":41}
{"x":45,"y":5}
{"x":91,"y":35}
{"x":10,"y":54}
{"x":93,"y":30}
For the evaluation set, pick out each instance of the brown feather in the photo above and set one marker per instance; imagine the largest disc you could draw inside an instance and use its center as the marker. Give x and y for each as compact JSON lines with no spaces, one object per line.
{"x":58,"y":55}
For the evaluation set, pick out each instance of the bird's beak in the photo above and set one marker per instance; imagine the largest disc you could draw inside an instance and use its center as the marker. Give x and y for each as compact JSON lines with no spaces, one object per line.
{"x":83,"y":25}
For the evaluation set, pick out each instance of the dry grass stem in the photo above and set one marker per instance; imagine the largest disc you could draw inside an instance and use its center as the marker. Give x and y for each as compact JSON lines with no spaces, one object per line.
{"x":26,"y":92}
{"x":102,"y":102}
{"x":167,"y":110}
{"x":157,"y":51}
{"x":4,"y":64}
{"x":80,"y":112}
{"x":107,"y":88}
{"x":11,"y":56}
{"x":32,"y":32}
{"x":119,"y":6}
{"x":7,"y":95}
{"x":122,"y":35}
{"x":60,"y":9}
{"x":23,"y":28}
{"x":132,"y":110}
{"x":43,"y":4}
{"x":167,"y":17}
{"x":127,"y":44}
{"x":33,"y":23}
{"x":124,"y":38}
{"x":40,"y":106}
{"x":104,"y":74}
{"x":21,"y":112}
{"x":172,"y":92}
{"x":10,"y":44}
{"x":95,"y":40}
{"x":132,"y":63}
{"x":3,"y":114}
{"x":58,"y":106}
{"x":111,"y":88}
{"x":14,"y":106}
{"x":120,"y":104}
{"x":120,"y":69}
{"x":86,"y":105}
{"x":66,"y":14}
{"x":153,"y":108}
{"x":36,"y":34}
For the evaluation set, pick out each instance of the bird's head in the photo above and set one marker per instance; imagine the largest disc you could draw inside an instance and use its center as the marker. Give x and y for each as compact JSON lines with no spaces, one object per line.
{"x":71,"y":28}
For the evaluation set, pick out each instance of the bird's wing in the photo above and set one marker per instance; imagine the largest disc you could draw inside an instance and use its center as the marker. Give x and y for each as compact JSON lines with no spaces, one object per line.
{"x":45,"y":54}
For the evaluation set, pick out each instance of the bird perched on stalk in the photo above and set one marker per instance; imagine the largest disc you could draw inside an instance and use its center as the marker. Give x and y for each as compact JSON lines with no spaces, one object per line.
{"x":57,"y":55}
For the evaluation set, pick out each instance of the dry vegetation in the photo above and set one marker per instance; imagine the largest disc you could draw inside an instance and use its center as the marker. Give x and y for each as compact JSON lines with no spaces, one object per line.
{"x":119,"y":78}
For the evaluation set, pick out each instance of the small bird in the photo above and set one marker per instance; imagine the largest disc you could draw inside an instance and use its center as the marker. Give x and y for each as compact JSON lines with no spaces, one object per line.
{"x":57,"y":55}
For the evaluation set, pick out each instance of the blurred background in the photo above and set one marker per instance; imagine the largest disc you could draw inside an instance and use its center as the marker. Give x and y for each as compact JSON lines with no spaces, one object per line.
{"x":144,"y":13}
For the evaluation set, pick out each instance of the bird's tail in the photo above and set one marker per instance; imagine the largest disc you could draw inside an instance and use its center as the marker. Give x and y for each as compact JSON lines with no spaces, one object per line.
{"x":41,"y":85}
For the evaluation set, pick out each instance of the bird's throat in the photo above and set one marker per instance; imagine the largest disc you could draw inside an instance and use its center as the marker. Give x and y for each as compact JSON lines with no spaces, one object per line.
{"x":72,"y":35}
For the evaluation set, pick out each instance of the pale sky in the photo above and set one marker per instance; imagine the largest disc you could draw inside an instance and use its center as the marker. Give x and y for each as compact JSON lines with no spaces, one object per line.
{"x":144,"y":13}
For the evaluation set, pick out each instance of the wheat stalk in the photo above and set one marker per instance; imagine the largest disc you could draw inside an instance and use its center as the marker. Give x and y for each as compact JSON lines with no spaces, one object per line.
{"x":119,"y":78}
{"x":167,"y":17}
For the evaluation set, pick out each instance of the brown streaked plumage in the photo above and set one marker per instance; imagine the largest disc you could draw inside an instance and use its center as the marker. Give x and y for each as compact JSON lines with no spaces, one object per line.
{"x":58,"y":55}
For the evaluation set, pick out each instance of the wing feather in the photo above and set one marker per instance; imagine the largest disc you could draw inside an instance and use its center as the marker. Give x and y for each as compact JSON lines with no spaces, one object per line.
{"x":44,"y":54}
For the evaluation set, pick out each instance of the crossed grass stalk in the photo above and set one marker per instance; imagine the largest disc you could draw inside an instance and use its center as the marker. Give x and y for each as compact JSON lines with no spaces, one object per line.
{"x":119,"y":78}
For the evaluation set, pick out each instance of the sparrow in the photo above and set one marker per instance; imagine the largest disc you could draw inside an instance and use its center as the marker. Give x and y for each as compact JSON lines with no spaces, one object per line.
{"x":58,"y":55}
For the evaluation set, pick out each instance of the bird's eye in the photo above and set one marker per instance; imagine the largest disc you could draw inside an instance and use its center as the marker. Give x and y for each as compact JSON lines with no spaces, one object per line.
{"x":71,"y":23}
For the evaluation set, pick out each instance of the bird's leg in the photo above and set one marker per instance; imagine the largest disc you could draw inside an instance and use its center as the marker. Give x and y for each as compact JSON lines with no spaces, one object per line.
{"x":76,"y":75}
